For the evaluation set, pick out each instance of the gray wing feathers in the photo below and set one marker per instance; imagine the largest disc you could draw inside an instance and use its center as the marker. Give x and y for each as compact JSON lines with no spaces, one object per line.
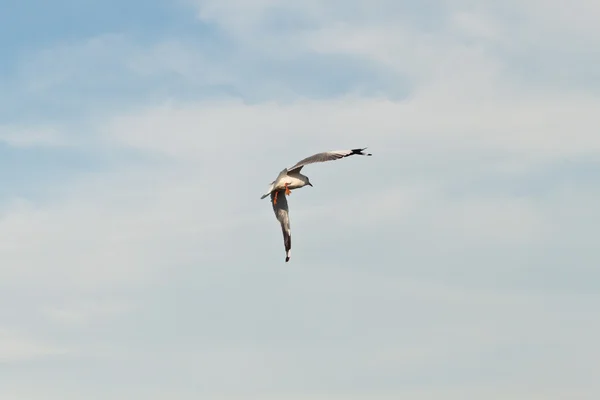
{"x":282,"y":215}
{"x":327,"y":156}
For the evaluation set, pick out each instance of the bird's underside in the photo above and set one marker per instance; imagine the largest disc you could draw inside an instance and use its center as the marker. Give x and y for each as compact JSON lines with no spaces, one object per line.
{"x":290,"y":178}
{"x":287,"y":192}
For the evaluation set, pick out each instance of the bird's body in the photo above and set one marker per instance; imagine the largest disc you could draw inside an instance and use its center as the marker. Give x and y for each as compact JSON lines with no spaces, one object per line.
{"x":290,"y":179}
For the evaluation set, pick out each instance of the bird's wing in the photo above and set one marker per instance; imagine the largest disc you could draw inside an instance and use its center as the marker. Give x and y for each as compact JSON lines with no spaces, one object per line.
{"x":282,"y":215}
{"x":327,"y":156}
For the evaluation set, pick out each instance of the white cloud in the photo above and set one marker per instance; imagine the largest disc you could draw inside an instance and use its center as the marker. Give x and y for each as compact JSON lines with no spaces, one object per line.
{"x":574,"y":22}
{"x":551,"y":124}
{"x":102,"y":231}
{"x":85,"y":311}
{"x":26,"y":137}
{"x":16,"y":347}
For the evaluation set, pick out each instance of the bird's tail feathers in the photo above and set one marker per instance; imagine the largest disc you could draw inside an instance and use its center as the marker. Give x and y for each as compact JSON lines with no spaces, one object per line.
{"x":271,"y":187}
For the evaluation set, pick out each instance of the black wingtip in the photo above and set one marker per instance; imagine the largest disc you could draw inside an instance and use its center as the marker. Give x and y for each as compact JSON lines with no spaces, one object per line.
{"x":361,"y":152}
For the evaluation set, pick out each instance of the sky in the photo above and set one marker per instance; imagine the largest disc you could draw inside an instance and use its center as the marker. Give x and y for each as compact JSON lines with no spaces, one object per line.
{"x":459,"y":262}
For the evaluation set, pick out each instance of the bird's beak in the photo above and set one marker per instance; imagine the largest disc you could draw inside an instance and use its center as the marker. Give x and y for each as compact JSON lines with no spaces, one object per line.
{"x":310,"y":184}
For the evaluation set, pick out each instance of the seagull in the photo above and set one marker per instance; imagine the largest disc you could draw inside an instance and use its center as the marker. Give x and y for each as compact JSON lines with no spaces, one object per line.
{"x":290,"y":179}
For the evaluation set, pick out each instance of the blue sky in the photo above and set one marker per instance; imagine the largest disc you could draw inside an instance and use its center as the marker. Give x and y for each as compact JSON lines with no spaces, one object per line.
{"x":459,"y":262}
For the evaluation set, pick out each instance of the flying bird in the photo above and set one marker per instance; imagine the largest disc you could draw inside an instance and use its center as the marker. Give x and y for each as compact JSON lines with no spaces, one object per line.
{"x":290,"y":179}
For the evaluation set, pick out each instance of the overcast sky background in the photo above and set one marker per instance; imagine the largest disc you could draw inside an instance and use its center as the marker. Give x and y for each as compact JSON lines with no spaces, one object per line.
{"x":459,"y":262}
